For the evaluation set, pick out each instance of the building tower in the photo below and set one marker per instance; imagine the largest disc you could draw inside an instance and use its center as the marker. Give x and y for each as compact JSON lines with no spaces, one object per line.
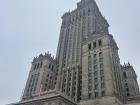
{"x":101,"y":71}
{"x":130,"y":83}
{"x":77,"y":26}
{"x":41,"y":77}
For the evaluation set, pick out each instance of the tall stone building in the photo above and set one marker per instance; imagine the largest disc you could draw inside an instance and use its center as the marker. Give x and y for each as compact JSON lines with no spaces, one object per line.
{"x":86,"y":70}
{"x":130,"y":80}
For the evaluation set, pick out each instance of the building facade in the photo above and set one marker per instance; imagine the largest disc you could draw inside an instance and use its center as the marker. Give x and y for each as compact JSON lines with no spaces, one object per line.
{"x":86,"y":70}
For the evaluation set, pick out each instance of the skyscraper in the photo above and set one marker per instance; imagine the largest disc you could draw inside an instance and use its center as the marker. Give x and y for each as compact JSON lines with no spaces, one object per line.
{"x":77,"y":26}
{"x":87,"y":67}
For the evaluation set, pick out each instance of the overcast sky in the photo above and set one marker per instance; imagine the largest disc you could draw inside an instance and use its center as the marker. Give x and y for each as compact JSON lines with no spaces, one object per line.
{"x":31,"y":27}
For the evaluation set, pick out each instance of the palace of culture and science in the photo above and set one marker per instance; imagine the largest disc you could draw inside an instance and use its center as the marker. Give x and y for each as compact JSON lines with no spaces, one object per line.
{"x":86,"y":69}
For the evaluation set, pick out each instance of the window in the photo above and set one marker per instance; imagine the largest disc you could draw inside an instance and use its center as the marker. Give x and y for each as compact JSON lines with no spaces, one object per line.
{"x":83,"y":12}
{"x":73,"y":18}
{"x":52,"y":68}
{"x":100,"y":43}
{"x":56,"y":74}
{"x":95,"y":61}
{"x":95,"y":66}
{"x":49,"y":65}
{"x":102,"y":78}
{"x":55,"y":78}
{"x":89,"y":88}
{"x":95,"y":73}
{"x":95,"y":79}
{"x":89,"y":66}
{"x":102,"y":85}
{"x":126,"y":84}
{"x":124,"y":75}
{"x":89,"y":46}
{"x":103,"y":93}
{"x":128,"y":94}
{"x":80,"y":15}
{"x":34,"y":89}
{"x":101,"y":60}
{"x":89,"y":81}
{"x":80,"y":93}
{"x":95,"y":55}
{"x":76,"y":16}
{"x":96,"y":86}
{"x":101,"y":66}
{"x":88,"y":11}
{"x":74,"y":94}
{"x":101,"y":72}
{"x":89,"y":75}
{"x":38,"y":65}
{"x":89,"y":95}
{"x":94,"y":44}
{"x":127,"y":89}
{"x":100,"y":54}
{"x":96,"y":94}
{"x":34,"y":67}
{"x":41,"y":64}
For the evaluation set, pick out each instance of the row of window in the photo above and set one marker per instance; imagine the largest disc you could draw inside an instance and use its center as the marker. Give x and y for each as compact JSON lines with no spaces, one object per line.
{"x":51,"y":78}
{"x":95,"y":44}
{"x":51,"y":66}
{"x":117,"y":76}
{"x":95,"y":79}
{"x":127,"y":89}
{"x":67,"y":82}
{"x":50,"y":82}
{"x":78,"y":16}
{"x":32,"y":84}
{"x":96,"y":94}
{"x":38,"y":65}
